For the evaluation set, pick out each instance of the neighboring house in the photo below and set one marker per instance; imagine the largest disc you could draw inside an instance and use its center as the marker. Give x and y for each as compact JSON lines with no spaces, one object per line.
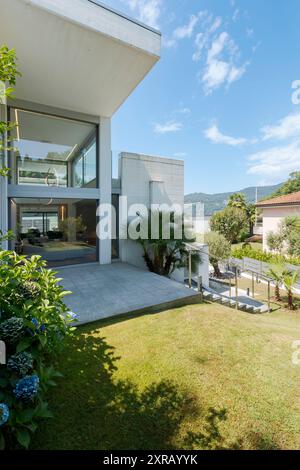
{"x":275,"y":210}
{"x":79,"y":60}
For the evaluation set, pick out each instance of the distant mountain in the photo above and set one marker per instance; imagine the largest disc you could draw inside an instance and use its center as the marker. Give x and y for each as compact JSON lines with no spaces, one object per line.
{"x":217,"y":202}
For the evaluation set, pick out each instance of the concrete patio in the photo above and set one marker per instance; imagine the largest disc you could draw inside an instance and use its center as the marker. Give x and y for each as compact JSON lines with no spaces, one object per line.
{"x":102,"y":291}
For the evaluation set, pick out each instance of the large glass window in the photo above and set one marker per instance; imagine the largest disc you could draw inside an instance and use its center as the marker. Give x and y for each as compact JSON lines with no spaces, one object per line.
{"x":52,"y":151}
{"x":62,"y":231}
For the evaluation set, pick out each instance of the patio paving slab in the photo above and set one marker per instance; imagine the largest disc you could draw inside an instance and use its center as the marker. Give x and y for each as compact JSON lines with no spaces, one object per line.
{"x":103,"y":291}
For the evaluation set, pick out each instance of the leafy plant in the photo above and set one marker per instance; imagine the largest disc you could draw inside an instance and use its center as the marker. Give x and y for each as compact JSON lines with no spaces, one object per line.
{"x":275,"y":242}
{"x":219,"y":250}
{"x":289,"y":281}
{"x":248,"y":252}
{"x":8,"y":75}
{"x":162,"y":254}
{"x":277,"y":272}
{"x":230,"y":222}
{"x":290,"y":186}
{"x":34,"y":323}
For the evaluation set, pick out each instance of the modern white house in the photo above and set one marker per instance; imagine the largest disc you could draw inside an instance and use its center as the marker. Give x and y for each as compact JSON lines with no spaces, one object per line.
{"x":274,"y":212}
{"x":79,"y":60}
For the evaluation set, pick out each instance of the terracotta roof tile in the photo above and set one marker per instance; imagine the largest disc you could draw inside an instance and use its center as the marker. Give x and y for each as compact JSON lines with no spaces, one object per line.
{"x":288,"y":199}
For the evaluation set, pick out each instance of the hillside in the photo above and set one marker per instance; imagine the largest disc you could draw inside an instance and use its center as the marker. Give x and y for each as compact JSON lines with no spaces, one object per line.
{"x":217,"y":202}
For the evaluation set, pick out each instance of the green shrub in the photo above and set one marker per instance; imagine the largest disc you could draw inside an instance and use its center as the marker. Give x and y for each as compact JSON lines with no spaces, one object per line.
{"x":248,"y":252}
{"x":34,"y":321}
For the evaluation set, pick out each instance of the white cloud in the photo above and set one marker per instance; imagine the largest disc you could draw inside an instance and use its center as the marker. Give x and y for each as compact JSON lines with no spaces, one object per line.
{"x":276,"y":163}
{"x":168,"y":42}
{"x":236,"y":15}
{"x":221,"y":70}
{"x":170,"y":126}
{"x":249,"y":32}
{"x":184,"y":32}
{"x":187,"y":30}
{"x":287,"y":127}
{"x":215,"y":135}
{"x":219,"y":54}
{"x":210,"y":26}
{"x":147,"y":11}
{"x":184,"y":111}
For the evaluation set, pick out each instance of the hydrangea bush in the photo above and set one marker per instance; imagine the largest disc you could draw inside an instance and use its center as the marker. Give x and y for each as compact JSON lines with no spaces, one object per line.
{"x":34,"y":322}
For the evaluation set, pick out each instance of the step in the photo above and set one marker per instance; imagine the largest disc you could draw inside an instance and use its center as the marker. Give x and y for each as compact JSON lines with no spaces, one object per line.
{"x":250,"y":308}
{"x":242,"y":306}
{"x":216,"y":298}
{"x":206,"y":295}
{"x":257,"y":309}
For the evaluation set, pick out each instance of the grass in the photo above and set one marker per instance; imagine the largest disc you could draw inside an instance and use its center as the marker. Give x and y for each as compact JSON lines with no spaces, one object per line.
{"x":254,"y":246}
{"x":158,"y":381}
{"x":261,"y":293}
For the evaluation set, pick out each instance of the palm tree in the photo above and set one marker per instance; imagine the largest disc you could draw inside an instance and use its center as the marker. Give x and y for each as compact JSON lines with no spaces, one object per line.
{"x":289,"y":281}
{"x":164,"y":255}
{"x":239,"y":201}
{"x":277,"y":272}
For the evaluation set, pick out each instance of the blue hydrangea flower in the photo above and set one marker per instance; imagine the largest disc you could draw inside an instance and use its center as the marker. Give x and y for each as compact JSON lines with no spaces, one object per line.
{"x":35,"y":323}
{"x":72,"y":315}
{"x":27,"y":388}
{"x":4,"y":413}
{"x":11,"y":330}
{"x":20,"y":363}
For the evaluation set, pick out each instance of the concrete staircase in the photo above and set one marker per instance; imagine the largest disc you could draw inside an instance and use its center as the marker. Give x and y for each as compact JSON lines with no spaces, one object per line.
{"x":213,"y":296}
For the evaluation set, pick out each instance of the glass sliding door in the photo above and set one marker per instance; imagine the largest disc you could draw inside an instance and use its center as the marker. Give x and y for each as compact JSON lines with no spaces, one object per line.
{"x":62,"y":231}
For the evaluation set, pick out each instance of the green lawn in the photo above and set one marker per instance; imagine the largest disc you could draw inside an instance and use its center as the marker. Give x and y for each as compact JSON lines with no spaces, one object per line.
{"x":254,"y":246}
{"x":148,"y":382}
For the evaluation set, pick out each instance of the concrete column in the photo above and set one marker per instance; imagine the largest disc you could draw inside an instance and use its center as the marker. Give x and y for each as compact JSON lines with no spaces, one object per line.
{"x":3,"y":186}
{"x":105,"y":175}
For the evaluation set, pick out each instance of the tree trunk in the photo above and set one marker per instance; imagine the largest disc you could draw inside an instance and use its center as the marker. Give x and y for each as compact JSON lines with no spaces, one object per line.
{"x":251,"y":226}
{"x":290,"y":300}
{"x":217,"y":271}
{"x":277,"y":292}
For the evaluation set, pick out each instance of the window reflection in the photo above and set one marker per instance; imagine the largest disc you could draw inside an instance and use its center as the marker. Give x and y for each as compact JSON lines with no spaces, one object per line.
{"x":51,"y":151}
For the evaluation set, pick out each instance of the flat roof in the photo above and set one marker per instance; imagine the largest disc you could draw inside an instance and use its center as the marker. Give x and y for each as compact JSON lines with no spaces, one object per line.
{"x":123,"y":15}
{"x":77,"y":55}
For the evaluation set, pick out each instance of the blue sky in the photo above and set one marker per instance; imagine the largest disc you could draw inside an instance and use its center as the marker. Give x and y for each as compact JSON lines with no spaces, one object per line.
{"x":221,"y":96}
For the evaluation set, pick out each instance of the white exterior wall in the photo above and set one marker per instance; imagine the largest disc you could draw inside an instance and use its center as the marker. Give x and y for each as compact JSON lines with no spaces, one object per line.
{"x":148,"y":180}
{"x":273,"y":216}
{"x":152,"y":180}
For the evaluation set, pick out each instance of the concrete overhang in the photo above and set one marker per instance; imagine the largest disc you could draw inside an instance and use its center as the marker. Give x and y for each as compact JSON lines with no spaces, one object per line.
{"x":77,"y":54}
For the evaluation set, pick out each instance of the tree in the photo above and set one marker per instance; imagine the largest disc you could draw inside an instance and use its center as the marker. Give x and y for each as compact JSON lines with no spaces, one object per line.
{"x":287,"y":237}
{"x":238,"y":200}
{"x":230,"y":222}
{"x":275,"y":241}
{"x":290,"y":186}
{"x":277,"y":272}
{"x":219,"y":250}
{"x":294,"y":243}
{"x":163,"y":254}
{"x":289,"y":281}
{"x":291,"y":232}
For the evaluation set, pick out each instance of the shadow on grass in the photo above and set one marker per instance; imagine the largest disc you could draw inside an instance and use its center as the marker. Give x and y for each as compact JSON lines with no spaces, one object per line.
{"x":94,"y":410}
